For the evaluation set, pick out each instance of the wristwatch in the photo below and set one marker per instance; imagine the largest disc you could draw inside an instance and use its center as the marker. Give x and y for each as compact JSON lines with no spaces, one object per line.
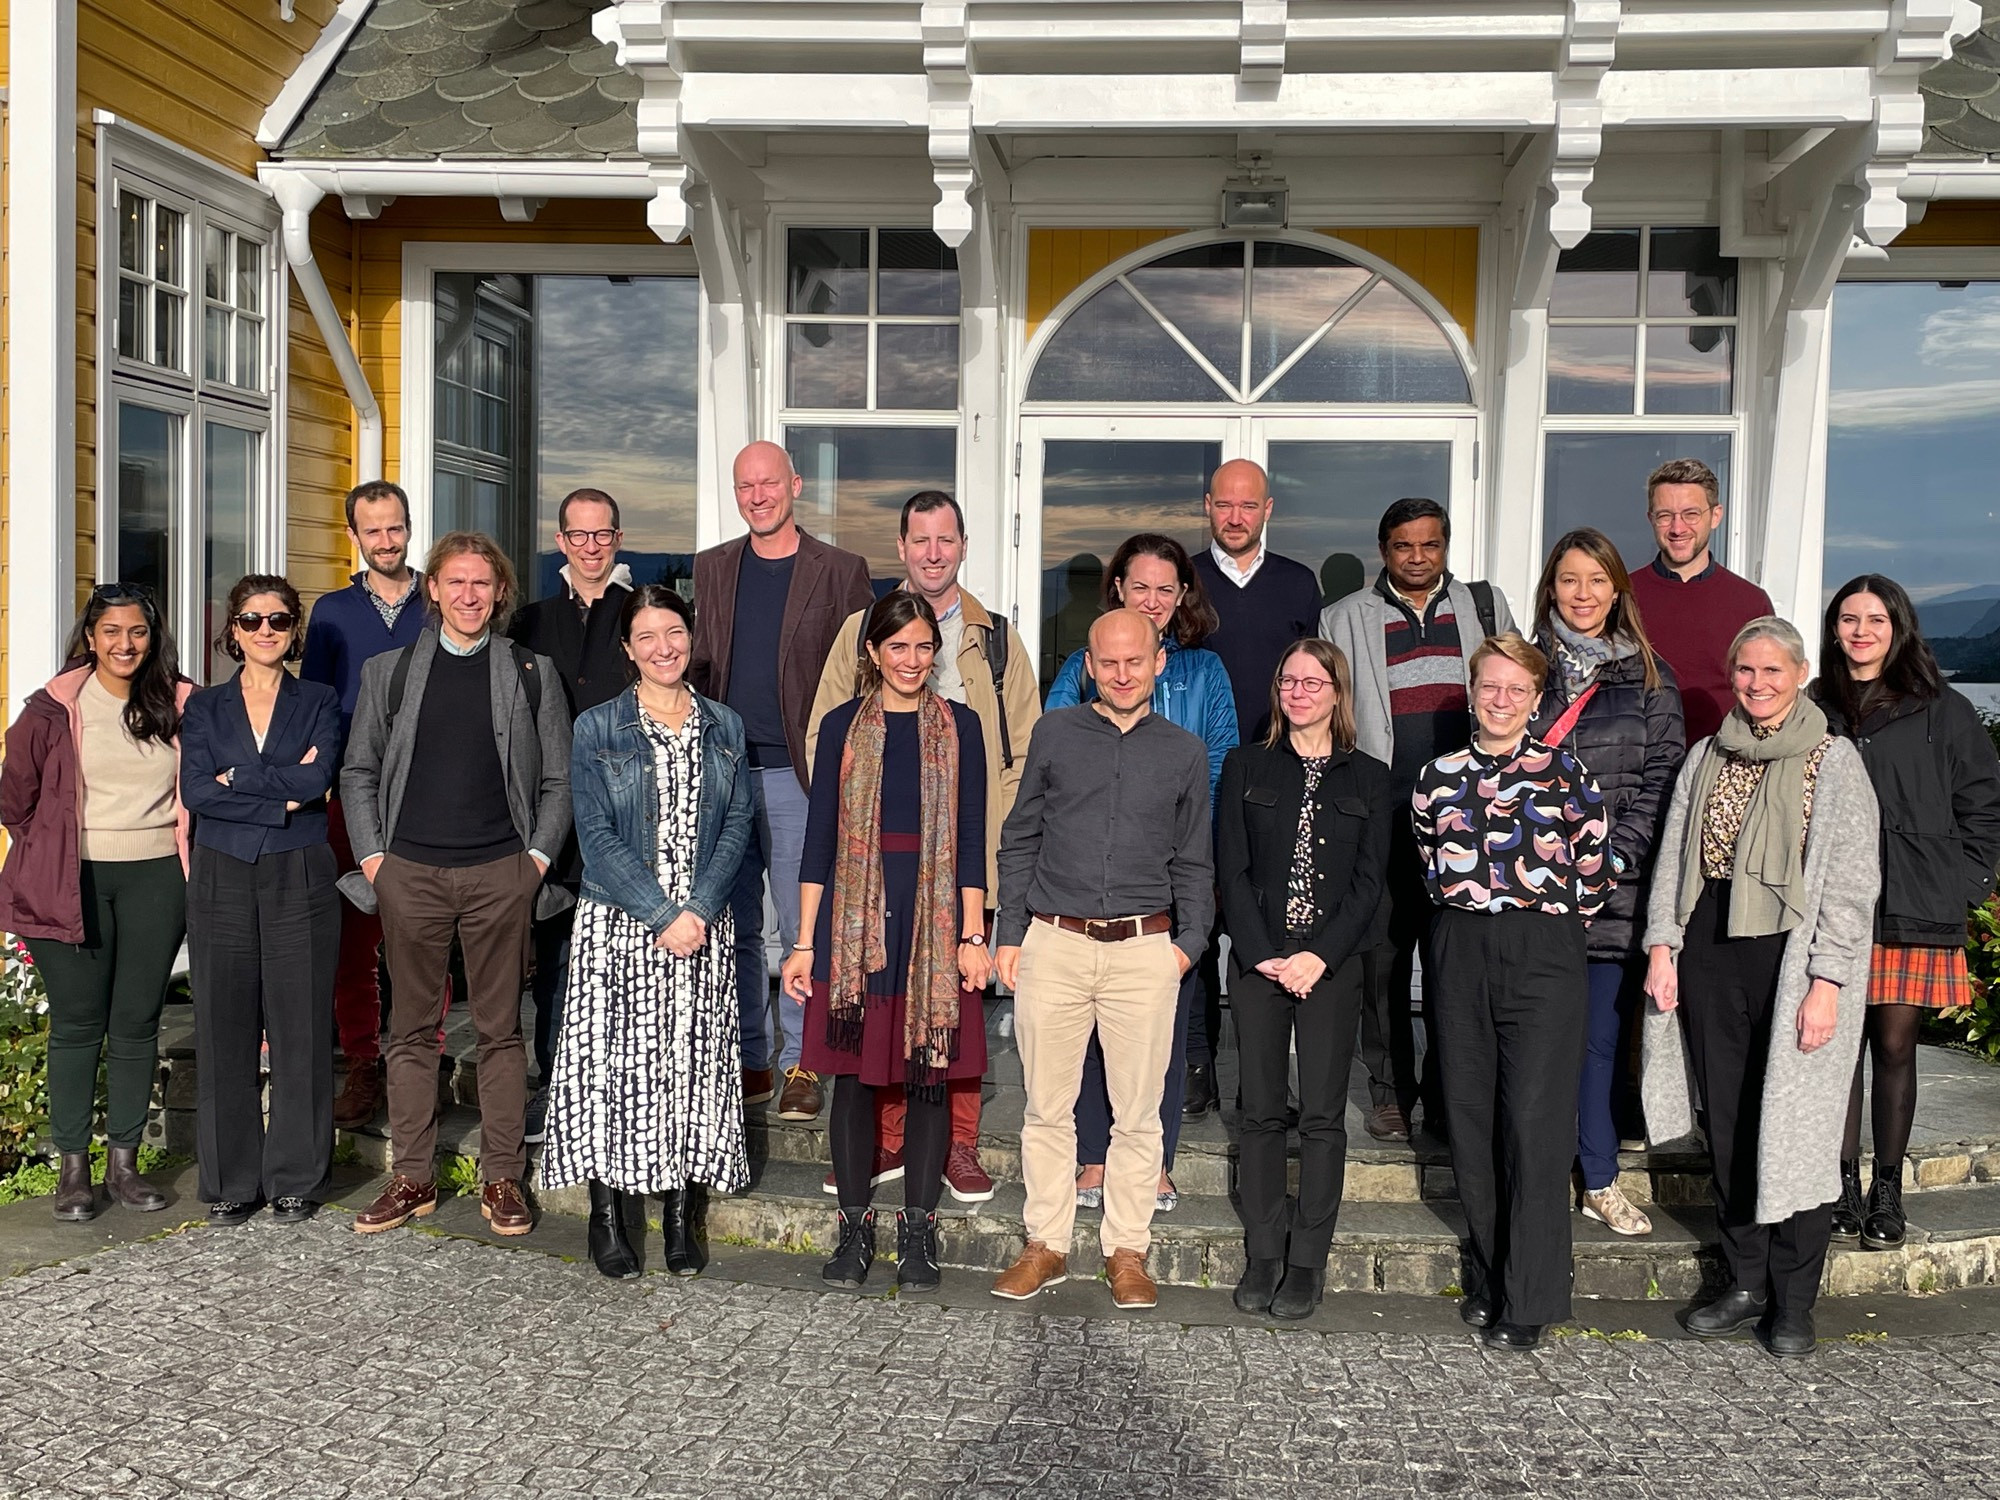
{"x":977,"y":940}
{"x":229,"y":777}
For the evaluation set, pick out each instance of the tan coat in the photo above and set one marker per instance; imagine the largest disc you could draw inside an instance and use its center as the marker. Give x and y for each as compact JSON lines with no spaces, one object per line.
{"x":1021,"y":696}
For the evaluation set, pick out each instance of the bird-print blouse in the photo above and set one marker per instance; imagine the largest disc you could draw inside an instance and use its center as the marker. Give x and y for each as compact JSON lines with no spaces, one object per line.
{"x":1526,"y":831}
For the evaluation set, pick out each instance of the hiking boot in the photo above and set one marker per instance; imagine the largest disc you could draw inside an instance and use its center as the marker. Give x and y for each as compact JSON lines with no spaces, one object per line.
{"x":1884,"y":1226}
{"x":916,"y":1250}
{"x":856,"y":1251}
{"x":1848,"y":1209}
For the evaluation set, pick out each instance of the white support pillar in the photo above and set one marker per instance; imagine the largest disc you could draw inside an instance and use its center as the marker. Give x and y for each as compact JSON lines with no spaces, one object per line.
{"x":986,"y":438}
{"x":41,"y":342}
{"x":1528,"y":252}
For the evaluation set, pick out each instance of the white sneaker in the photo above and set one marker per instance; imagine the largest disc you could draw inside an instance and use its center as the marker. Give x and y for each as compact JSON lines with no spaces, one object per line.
{"x":1616,"y":1212}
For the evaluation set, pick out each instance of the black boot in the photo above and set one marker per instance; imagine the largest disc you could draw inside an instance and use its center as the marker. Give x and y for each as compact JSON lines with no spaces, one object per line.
{"x":1200,"y":1097}
{"x":610,"y":1249}
{"x":1883,"y":1228}
{"x":685,"y":1255}
{"x":632,"y":1215}
{"x":856,"y":1251}
{"x":1260,"y":1281}
{"x":1848,"y":1211}
{"x":76,"y":1195}
{"x":123,"y":1182}
{"x":916,"y":1250}
{"x":1299,"y":1293}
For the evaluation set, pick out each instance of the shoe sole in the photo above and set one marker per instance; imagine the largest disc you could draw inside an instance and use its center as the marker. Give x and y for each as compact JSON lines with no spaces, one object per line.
{"x":1846,"y":1239}
{"x":416,"y":1213}
{"x":1591,"y":1213}
{"x":832,"y":1189}
{"x":506,"y":1231}
{"x":846,"y":1286}
{"x":764,"y":1098}
{"x":1725,"y":1333}
{"x":1777,"y":1353}
{"x":1056,"y":1280}
{"x":1869,"y":1242}
{"x":1499,"y":1348}
{"x":967,"y":1195}
{"x":1125,"y":1305}
{"x":798,"y":1114}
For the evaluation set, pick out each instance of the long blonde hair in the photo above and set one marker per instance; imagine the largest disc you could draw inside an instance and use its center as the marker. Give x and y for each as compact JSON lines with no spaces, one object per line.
{"x":1334,"y":661}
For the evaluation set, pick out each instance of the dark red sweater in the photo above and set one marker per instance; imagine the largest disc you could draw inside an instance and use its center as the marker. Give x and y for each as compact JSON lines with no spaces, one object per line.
{"x":1691,"y":624}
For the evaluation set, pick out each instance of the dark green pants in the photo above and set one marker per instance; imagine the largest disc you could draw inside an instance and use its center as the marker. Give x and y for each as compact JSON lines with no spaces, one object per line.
{"x":105,"y":995}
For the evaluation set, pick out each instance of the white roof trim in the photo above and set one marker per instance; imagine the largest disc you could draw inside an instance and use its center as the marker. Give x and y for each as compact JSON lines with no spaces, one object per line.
{"x":469,"y":178}
{"x":311,"y":72}
{"x":1949,"y":177}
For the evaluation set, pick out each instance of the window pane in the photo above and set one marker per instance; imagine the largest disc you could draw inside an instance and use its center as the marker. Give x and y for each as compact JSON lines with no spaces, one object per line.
{"x":131,"y":318}
{"x":857,"y":478}
{"x":166,"y":329}
{"x":828,"y":271}
{"x":249,"y":275}
{"x":483,"y":343}
{"x":131,"y":231}
{"x":249,"y":353}
{"x":1688,"y":370}
{"x":1913,"y":444}
{"x":1599,"y":479}
{"x":1200,"y":292}
{"x":148,"y":492}
{"x":1329,"y":497}
{"x":167,"y":245}
{"x":1689,"y":277}
{"x":827,"y":365}
{"x":1591,"y":369}
{"x":229,"y":461}
{"x":1385,"y":349}
{"x":1292,"y":292}
{"x":1599,"y":278}
{"x":214,"y":344}
{"x":214,"y":264}
{"x":1110,"y":349}
{"x":918,"y":275}
{"x":916,"y":366}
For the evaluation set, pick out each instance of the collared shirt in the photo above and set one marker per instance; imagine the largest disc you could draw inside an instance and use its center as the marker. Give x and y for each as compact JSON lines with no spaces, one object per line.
{"x":1109,"y":824}
{"x":474,"y":649}
{"x":1421,"y":608}
{"x":1227,"y":565}
{"x":1661,"y":567}
{"x":947,"y":680}
{"x":389,"y":609}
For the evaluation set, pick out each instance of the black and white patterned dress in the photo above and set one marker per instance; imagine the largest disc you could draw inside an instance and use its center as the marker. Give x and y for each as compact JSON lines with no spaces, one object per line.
{"x":647,"y":1089}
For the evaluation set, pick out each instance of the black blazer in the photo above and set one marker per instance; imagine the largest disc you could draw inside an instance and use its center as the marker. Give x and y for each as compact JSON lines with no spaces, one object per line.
{"x":248,"y":818}
{"x":588,"y":657}
{"x":1256,"y":830}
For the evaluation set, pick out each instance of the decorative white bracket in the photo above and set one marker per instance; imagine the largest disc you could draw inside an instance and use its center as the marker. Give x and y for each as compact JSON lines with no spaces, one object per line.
{"x":948,"y":66}
{"x":643,"y":32}
{"x":1590,"y":46}
{"x":365,"y":205}
{"x":517,"y":210}
{"x":1261,"y":43}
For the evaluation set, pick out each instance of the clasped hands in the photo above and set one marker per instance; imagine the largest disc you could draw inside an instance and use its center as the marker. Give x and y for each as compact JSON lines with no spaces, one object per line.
{"x":1295,"y":975}
{"x":1819,"y":1012}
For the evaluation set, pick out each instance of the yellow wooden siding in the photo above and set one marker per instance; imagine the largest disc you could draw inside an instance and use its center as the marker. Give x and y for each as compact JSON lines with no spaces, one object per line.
{"x":1955,"y":224}
{"x":319,"y":422}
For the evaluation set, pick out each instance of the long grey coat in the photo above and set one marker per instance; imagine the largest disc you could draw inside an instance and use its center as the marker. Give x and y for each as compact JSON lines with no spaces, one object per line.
{"x":1805,"y":1093}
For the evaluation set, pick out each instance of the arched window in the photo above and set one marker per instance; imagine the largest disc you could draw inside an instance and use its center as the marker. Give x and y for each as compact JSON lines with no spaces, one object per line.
{"x":1251,"y":321}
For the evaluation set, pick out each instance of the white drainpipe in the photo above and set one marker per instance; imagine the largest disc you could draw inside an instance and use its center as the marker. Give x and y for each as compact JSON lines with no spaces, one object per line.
{"x":298,"y":197}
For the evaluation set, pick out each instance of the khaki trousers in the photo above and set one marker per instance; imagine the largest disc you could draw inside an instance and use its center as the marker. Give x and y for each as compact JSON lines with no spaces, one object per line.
{"x":1127,"y":992}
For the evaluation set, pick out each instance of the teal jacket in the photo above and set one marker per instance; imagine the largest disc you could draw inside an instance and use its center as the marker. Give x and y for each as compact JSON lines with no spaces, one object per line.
{"x":1193,"y":692}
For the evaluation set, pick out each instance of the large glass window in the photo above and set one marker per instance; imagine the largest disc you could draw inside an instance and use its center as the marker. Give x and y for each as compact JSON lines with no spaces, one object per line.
{"x":1913,"y":445}
{"x":1599,"y":479}
{"x":1329,"y":498}
{"x":857,"y":478}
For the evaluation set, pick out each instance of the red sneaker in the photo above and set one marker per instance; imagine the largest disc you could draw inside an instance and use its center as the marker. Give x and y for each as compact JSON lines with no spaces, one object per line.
{"x":964,"y":1177}
{"x":888,"y":1167}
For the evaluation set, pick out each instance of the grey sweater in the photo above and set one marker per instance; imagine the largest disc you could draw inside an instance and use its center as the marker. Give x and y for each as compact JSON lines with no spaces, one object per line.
{"x":1805,"y":1093}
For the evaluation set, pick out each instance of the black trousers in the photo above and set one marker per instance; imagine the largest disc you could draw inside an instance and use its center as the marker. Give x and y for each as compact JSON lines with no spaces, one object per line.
{"x":263,"y":946}
{"x":1511,"y":1002}
{"x":1729,"y":990}
{"x":1269,"y":1023}
{"x":1388,"y":1035}
{"x":1204,"y":1034}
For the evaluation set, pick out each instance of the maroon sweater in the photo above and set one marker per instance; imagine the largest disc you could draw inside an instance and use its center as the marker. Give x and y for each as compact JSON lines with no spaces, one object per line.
{"x":1691,"y":624}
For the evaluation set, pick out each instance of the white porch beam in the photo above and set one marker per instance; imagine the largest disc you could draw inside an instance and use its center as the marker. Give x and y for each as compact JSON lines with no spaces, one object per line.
{"x":986,"y":435}
{"x":1528,"y":254}
{"x":948,"y":78}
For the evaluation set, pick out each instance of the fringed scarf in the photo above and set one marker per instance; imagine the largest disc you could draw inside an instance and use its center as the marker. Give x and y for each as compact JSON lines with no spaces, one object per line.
{"x":930,"y":1032}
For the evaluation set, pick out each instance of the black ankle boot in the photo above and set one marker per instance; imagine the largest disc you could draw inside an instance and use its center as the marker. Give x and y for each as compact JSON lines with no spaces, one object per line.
{"x":610,"y":1249}
{"x":1260,"y":1282}
{"x":76,"y":1197}
{"x":1848,"y":1211}
{"x":1883,"y":1228}
{"x":1299,"y":1293}
{"x":685,"y":1255}
{"x":916,"y":1250}
{"x":123,"y":1182}
{"x":856,"y":1251}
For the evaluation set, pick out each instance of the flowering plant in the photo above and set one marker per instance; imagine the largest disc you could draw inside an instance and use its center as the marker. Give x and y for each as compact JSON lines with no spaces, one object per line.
{"x":24,"y":1053}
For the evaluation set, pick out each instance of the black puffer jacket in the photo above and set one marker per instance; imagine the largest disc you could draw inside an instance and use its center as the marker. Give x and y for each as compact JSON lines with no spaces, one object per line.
{"x":1938,"y":781}
{"x":1630,"y":740}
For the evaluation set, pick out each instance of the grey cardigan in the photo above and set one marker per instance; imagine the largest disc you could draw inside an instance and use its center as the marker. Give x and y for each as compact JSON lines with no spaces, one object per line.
{"x":1805,"y":1093}
{"x":1357,"y":624}
{"x":534,"y":756}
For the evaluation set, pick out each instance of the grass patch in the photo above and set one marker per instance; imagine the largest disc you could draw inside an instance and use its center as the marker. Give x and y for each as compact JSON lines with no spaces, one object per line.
{"x":458,"y":1174}
{"x":37,"y":1179}
{"x":1864,"y":1337}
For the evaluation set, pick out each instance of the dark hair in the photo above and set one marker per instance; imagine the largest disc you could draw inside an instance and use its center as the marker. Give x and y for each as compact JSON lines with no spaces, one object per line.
{"x":1194,"y":618}
{"x":152,"y":712}
{"x":1624,"y":617}
{"x":922,"y":503}
{"x":1908,"y":671}
{"x":893,"y":612}
{"x":377,"y":489}
{"x":1405,"y":511}
{"x":652,"y":596}
{"x":478,"y":544}
{"x":1332,"y":661}
{"x":595,"y":497}
{"x":1685,"y":471}
{"x":248,"y":587}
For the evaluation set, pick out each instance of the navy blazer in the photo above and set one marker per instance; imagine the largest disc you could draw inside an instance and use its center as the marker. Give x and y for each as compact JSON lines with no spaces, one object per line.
{"x":248,"y":818}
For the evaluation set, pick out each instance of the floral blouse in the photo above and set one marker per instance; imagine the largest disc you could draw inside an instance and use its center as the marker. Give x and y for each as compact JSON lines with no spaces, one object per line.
{"x":1522,"y":832}
{"x":1722,"y":819}
{"x":1300,"y":910}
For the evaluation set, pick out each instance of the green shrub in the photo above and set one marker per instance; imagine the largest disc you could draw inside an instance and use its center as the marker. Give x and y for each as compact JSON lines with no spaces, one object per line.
{"x":1976,"y":1024}
{"x":24,"y":1055}
{"x":35,"y":1178}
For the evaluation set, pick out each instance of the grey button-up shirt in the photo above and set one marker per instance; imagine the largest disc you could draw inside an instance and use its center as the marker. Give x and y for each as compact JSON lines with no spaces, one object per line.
{"x":1109,"y":824}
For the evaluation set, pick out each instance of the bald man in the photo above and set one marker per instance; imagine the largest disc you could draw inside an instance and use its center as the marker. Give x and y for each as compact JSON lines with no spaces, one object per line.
{"x":1106,"y":896}
{"x":767,"y":606}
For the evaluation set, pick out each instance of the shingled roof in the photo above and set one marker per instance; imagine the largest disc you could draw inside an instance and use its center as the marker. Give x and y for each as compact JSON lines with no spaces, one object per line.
{"x":422,"y":79}
{"x":1962,"y":94}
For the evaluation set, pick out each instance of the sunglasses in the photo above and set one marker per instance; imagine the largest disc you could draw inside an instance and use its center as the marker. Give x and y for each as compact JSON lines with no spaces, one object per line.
{"x":251,"y":622}
{"x":122,"y":593}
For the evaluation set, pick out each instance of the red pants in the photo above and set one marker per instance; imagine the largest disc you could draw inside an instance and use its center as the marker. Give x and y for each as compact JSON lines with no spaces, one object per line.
{"x":961,"y":1093}
{"x":357,"y":998}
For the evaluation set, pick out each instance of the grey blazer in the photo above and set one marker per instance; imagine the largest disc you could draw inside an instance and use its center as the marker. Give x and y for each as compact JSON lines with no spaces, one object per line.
{"x":534,"y":756}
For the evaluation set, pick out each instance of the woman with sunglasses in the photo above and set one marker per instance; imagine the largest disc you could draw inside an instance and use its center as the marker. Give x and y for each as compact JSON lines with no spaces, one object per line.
{"x":258,"y":753}
{"x":96,"y":877}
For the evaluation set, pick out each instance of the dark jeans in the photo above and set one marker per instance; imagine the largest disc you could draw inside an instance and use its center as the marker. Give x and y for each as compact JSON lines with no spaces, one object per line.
{"x":1388,"y":1035}
{"x":1269,"y":1024}
{"x":1093,"y":1099}
{"x":1614,"y":1000}
{"x":1205,"y":1020}
{"x":263,"y":948}
{"x":551,"y":943}
{"x":1729,"y":990}
{"x":105,"y":995}
{"x":1510,"y":1008}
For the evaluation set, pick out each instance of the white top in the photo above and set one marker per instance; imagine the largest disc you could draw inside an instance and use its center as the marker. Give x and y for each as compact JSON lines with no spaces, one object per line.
{"x":1237,"y":575}
{"x":947,"y":681}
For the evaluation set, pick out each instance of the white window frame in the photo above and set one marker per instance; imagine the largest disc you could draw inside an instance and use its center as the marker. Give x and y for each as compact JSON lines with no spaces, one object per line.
{"x":204,"y":191}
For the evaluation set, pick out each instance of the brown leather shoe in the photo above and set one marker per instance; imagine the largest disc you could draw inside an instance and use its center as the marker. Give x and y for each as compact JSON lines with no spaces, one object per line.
{"x":1037,"y":1269}
{"x":1131,"y":1287}
{"x":803,"y":1097}
{"x":360,"y":1096}
{"x":505,"y":1209}
{"x":401,"y":1201}
{"x":1387,"y":1122}
{"x":758,"y":1085}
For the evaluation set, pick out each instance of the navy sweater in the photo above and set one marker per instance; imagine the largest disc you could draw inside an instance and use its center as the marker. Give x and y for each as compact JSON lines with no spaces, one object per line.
{"x":1280,"y":604}
{"x":345,"y":631}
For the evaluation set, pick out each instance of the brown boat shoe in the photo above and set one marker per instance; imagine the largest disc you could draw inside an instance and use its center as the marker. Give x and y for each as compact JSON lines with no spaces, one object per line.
{"x":401,"y":1201}
{"x":503,"y":1207}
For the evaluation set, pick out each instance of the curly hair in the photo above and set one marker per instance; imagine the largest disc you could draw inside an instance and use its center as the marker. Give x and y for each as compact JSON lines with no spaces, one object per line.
{"x":248,"y":587}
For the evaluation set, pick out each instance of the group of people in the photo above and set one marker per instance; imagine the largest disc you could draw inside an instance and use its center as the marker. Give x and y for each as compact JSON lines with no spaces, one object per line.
{"x":1637,"y":805}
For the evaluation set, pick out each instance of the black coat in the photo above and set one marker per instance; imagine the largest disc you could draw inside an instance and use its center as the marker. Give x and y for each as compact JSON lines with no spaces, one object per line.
{"x":1256,"y":831}
{"x":1630,"y":739}
{"x":587,"y":655}
{"x":1938,"y":781}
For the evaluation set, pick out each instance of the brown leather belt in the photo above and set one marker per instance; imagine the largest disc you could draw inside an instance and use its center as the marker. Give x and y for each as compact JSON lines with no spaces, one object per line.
{"x":1112,"y":929}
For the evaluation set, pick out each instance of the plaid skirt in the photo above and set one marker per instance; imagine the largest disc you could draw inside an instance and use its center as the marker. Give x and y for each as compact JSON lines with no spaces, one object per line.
{"x":1902,"y":974}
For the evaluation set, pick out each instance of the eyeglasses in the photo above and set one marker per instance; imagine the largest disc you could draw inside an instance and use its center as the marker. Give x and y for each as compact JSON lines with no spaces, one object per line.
{"x":1684,"y":517}
{"x":279,"y":620}
{"x":1313,"y":685}
{"x":603,"y":538}
{"x":1509,"y":692}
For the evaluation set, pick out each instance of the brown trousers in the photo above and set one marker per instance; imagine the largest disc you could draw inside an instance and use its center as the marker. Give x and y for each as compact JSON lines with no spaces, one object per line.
{"x":489,"y":909}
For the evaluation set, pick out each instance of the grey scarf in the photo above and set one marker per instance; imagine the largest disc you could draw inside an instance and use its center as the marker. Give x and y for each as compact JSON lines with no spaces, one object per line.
{"x":1579,"y":658}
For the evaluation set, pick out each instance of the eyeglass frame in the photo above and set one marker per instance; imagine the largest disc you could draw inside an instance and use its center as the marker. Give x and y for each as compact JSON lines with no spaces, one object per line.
{"x":603,"y":536}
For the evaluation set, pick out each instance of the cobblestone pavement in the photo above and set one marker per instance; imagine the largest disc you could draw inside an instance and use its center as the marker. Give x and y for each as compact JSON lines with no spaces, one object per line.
{"x":306,"y":1363}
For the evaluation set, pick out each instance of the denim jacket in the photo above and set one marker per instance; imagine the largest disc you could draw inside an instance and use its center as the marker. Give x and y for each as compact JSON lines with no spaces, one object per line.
{"x":617,"y":803}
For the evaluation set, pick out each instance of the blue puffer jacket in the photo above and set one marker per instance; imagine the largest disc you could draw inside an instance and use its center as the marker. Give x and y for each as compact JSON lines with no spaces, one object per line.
{"x":1193,"y":692}
{"x":617,"y":808}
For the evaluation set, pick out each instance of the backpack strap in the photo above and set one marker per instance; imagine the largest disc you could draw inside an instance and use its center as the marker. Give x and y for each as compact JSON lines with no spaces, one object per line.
{"x":996,"y":663}
{"x":524,"y":663}
{"x":399,"y":682}
{"x":1482,"y":603}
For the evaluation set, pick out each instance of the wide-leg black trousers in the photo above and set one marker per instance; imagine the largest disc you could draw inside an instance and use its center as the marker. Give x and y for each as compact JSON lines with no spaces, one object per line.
{"x":1511,"y":998}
